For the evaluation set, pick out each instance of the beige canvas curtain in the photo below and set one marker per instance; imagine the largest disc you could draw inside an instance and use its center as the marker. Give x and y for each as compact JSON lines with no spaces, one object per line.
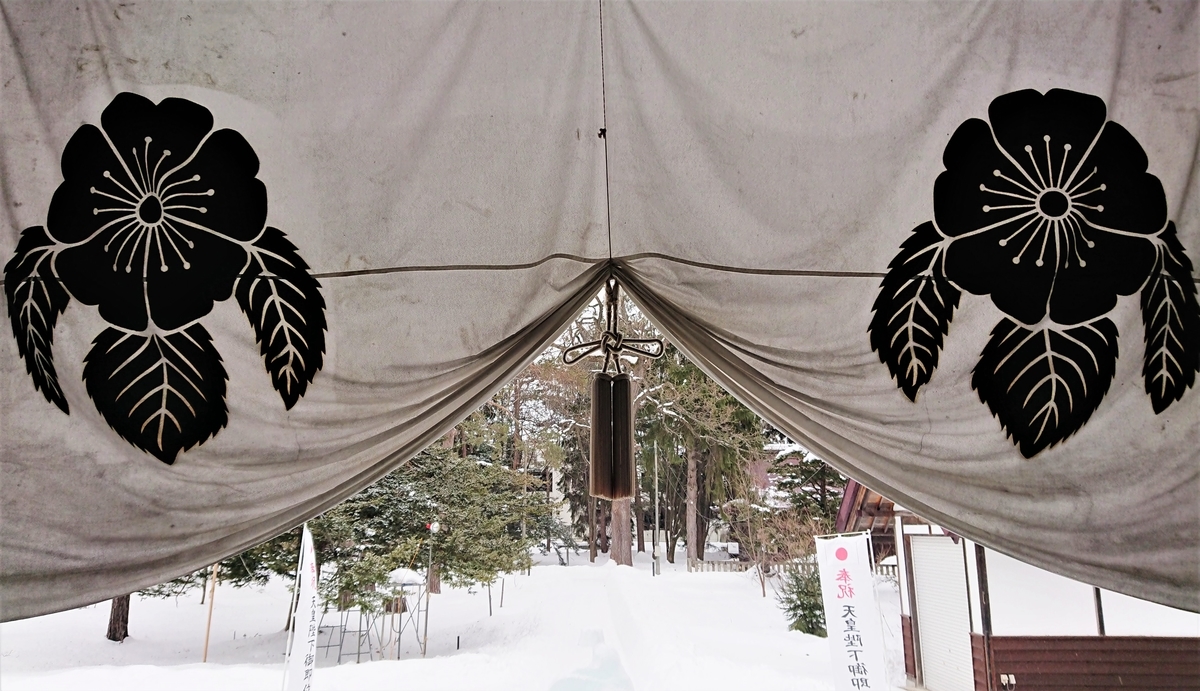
{"x":438,"y":198}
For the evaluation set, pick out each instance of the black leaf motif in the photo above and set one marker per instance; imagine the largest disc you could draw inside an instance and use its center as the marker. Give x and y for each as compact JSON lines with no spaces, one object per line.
{"x":1049,"y":209}
{"x":1172,"y":318}
{"x":163,"y":393}
{"x":913,"y":310}
{"x":1043,"y":384}
{"x":35,"y":299}
{"x":284,"y":304}
{"x":158,"y":217}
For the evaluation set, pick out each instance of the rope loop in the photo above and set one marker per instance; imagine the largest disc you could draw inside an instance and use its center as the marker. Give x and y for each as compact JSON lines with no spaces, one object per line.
{"x":612,"y":343}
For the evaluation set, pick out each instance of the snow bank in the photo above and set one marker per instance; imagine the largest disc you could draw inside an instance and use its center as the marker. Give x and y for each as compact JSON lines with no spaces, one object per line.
{"x":578,"y":628}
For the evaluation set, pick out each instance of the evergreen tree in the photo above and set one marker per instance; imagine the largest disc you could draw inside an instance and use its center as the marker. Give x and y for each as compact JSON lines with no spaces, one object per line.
{"x":480,"y":505}
{"x":809,"y":484}
{"x":573,"y":480}
{"x":800,"y":598}
{"x":706,"y":434}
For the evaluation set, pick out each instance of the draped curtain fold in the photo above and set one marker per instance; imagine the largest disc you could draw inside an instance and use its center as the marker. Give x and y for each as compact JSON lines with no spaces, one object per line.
{"x":446,"y":185}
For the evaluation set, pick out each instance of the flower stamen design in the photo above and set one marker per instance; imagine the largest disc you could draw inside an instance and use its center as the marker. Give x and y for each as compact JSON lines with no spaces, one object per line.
{"x":148,"y":210}
{"x":1054,"y":204}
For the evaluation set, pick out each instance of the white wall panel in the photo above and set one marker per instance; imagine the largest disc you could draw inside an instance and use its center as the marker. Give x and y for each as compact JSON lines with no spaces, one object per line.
{"x":1028,"y":601}
{"x":943,"y":620}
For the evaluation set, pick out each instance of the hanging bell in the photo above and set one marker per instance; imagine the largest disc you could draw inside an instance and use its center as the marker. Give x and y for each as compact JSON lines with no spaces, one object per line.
{"x":624,"y":471}
{"x":613,"y":470}
{"x":600,"y":483}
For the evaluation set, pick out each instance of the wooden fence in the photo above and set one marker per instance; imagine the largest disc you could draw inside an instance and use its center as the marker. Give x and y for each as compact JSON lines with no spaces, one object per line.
{"x":734,"y":566}
{"x":727,"y":566}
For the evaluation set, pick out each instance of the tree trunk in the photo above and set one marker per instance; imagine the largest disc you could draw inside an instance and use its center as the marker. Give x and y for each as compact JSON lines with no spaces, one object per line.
{"x":824,"y":511}
{"x":639,"y":519}
{"x":602,"y":526}
{"x":669,"y":527}
{"x":118,"y":619}
{"x":591,"y":528}
{"x":435,"y":580}
{"x":292,"y":604}
{"x":516,"y":416}
{"x":693,"y":459}
{"x":622,"y":544}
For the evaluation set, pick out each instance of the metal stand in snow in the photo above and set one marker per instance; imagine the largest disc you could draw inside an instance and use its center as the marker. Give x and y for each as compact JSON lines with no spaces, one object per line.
{"x":378,"y":632}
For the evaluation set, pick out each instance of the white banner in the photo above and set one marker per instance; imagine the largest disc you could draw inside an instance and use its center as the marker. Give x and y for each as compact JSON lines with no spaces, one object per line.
{"x":302,"y":653}
{"x":851,"y":614}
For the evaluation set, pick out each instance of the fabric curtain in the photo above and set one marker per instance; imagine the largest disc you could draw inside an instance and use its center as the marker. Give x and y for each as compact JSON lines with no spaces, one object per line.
{"x":399,"y":205}
{"x":768,"y":161}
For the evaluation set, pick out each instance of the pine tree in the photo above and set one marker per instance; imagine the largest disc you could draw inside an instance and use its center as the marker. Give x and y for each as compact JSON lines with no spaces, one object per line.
{"x":709,"y":432}
{"x":479,"y":503}
{"x":809,"y":484}
{"x":800,"y":598}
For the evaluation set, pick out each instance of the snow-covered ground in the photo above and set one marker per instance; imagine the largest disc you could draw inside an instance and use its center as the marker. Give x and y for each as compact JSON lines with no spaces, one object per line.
{"x":579,"y":628}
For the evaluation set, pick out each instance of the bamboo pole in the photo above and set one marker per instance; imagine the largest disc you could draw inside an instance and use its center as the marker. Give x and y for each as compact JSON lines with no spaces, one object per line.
{"x":211,"y":596}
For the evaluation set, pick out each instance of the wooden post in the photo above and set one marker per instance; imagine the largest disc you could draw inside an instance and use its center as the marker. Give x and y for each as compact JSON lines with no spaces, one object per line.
{"x":211,"y":596}
{"x":912,"y":608}
{"x":985,"y":611}
{"x":489,"y":599}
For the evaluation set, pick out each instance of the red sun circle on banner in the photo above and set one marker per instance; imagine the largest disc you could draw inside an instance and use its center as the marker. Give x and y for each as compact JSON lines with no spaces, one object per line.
{"x":841,"y":554}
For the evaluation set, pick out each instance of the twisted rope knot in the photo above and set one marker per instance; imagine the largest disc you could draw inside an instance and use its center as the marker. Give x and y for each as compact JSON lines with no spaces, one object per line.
{"x":612,"y":343}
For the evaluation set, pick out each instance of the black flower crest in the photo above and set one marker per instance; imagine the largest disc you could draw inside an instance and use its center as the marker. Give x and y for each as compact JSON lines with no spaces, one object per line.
{"x":157,"y":218}
{"x":1048,"y":210}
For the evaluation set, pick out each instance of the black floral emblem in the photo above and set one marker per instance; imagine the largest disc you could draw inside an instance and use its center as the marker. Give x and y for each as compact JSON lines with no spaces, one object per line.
{"x":157,"y":218}
{"x":1048,"y":210}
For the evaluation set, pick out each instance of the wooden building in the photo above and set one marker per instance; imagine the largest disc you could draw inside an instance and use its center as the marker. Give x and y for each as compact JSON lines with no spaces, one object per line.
{"x":864,"y":510}
{"x":974,"y":619}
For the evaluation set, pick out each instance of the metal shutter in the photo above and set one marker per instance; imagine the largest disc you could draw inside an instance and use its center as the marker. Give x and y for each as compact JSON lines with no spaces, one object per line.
{"x":943,"y":618}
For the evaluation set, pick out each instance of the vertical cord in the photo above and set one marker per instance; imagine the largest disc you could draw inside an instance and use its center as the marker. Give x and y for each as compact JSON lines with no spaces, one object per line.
{"x":610,"y":285}
{"x":604,"y":134}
